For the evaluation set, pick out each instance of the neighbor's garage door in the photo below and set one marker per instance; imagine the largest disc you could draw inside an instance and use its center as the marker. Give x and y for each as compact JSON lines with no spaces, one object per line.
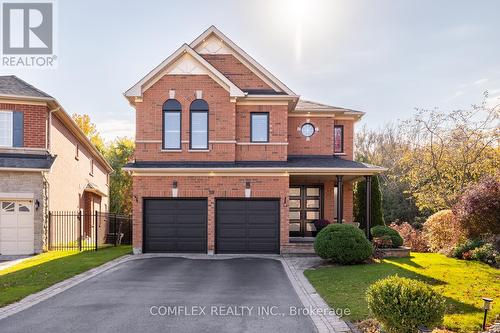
{"x":175,"y":225}
{"x":247,"y":226}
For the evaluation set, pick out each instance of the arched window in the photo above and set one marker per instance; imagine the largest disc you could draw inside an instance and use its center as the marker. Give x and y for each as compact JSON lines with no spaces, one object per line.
{"x":198,"y":125}
{"x":171,"y":124}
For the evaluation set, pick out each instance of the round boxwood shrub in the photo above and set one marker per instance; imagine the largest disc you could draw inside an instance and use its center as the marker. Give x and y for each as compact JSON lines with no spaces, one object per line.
{"x":381,"y":231}
{"x":401,"y":305}
{"x":343,"y":244}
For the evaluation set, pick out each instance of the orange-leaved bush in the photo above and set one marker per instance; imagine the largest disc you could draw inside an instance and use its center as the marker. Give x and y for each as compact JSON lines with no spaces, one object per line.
{"x":443,"y":231}
{"x":412,"y":237}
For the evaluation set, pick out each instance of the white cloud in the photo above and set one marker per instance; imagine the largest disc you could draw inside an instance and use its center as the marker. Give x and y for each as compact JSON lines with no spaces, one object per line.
{"x":111,"y":129}
{"x":480,"y":81}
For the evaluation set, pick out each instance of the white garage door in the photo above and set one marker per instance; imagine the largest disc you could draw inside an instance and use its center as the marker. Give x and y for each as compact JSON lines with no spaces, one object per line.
{"x":16,"y":227}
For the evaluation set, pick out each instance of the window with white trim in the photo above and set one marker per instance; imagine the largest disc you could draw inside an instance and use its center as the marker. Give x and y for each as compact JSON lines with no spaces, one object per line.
{"x":259,"y":127}
{"x":6,"y":129}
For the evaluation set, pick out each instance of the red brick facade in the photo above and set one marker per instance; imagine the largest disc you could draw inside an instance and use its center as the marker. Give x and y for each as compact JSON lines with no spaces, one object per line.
{"x":229,"y":141}
{"x":237,"y":72}
{"x":35,"y":123}
{"x":211,"y":188}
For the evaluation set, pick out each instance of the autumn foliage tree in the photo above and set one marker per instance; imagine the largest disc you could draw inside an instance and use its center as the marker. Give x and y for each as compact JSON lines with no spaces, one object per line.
{"x":118,"y":153}
{"x":478,"y":210}
{"x":448,"y":151}
{"x":90,"y":130}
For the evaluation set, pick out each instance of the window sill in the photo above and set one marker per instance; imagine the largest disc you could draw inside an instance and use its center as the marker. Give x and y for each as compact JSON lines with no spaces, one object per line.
{"x":198,"y":150}
{"x":339,"y":154}
{"x":171,"y":150}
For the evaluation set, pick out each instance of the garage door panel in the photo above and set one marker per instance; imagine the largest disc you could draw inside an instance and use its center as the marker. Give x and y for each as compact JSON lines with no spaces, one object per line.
{"x":175,"y":225}
{"x":247,"y":226}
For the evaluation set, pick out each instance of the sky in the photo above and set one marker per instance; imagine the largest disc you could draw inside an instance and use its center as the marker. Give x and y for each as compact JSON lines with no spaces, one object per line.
{"x":385,"y":58}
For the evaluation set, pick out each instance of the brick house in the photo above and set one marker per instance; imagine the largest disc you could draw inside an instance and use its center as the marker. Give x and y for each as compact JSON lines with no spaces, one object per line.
{"x":46,"y":164}
{"x":228,"y":159}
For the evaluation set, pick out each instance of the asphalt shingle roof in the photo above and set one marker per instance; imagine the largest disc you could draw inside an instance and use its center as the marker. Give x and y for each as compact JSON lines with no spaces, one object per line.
{"x":12,"y":85}
{"x":305,"y":105}
{"x":26,"y":161}
{"x":292,"y":162}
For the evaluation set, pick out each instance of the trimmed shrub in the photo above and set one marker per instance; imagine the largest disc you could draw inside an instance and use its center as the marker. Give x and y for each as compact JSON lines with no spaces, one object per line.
{"x":443,"y":232}
{"x":477,"y":209}
{"x":412,"y":237}
{"x":466,"y":247}
{"x":382,"y":230}
{"x":382,"y":242}
{"x":360,"y":203}
{"x":401,"y":305}
{"x":343,"y":244}
{"x":320,"y":224}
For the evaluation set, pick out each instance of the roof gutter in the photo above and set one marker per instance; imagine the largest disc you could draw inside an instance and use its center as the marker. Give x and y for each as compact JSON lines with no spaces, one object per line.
{"x":288,"y":170}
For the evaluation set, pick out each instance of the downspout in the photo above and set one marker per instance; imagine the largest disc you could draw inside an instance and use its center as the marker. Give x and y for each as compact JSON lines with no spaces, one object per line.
{"x":46,"y":184}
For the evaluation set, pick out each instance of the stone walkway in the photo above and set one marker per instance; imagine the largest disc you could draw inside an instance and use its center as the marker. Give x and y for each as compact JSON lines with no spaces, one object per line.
{"x":326,"y":320}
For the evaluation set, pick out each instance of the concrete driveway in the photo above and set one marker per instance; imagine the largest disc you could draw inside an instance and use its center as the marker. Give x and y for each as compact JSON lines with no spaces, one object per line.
{"x":173,"y":295}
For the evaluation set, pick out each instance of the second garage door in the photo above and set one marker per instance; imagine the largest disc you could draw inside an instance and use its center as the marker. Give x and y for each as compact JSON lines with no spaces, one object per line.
{"x":247,"y":226}
{"x":175,"y":225}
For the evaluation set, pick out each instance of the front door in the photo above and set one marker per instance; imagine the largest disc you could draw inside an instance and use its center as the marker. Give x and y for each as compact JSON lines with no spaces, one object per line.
{"x":305,"y":204}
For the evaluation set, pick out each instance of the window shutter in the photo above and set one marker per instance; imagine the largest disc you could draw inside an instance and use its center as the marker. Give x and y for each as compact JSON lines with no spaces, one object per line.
{"x":18,"y":129}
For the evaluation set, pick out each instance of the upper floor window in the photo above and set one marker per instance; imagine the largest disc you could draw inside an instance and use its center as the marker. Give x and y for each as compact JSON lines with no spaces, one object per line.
{"x":338,"y":139}
{"x":259,"y":127}
{"x":198,"y":124}
{"x":11,"y":129}
{"x":171,"y":124}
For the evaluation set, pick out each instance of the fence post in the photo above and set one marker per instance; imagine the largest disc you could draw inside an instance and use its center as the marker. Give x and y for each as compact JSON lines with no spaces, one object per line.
{"x":96,"y":231}
{"x":115,"y":231}
{"x":80,"y":230}
{"x":49,"y":239}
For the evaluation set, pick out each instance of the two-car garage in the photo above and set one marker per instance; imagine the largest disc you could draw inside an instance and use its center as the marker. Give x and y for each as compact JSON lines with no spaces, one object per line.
{"x":241,"y":225}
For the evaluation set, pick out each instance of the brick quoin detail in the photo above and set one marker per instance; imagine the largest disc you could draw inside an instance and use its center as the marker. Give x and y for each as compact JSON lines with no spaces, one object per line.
{"x":210,"y":188}
{"x":35,"y":123}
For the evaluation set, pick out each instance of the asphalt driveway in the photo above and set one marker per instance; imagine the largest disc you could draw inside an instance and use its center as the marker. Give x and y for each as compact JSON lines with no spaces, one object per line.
{"x":173,"y":295}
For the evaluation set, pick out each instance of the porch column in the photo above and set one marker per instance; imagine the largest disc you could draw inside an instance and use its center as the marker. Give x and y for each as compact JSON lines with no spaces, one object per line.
{"x":340,"y":199}
{"x":368,"y":204}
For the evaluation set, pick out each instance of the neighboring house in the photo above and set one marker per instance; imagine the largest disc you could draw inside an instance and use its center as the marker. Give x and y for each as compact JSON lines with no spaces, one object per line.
{"x":229,"y":160}
{"x":46,"y":164}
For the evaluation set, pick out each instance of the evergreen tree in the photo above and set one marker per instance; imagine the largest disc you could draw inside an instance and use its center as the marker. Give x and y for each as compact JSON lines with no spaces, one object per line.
{"x":377,"y":216}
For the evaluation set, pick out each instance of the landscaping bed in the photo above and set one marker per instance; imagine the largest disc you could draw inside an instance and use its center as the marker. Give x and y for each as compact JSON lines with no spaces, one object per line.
{"x":46,"y":269}
{"x":462,"y":283}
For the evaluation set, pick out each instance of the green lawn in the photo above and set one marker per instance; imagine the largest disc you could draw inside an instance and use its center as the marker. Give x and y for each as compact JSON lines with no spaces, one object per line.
{"x":461,"y":282}
{"x":44,"y":270}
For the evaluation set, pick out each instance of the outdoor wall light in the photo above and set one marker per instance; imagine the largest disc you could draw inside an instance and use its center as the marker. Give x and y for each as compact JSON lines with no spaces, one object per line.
{"x":248,"y":190}
{"x":486,"y":307}
{"x":175,"y":190}
{"x":37,"y":204}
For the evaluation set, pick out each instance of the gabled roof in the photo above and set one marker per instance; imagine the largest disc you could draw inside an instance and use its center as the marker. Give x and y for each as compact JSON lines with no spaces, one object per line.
{"x":11,"y":85}
{"x":13,"y":88}
{"x":244,"y":57}
{"x":156,"y":74}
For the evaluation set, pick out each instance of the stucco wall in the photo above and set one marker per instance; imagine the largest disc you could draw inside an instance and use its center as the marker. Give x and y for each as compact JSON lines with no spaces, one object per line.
{"x":69,"y":176}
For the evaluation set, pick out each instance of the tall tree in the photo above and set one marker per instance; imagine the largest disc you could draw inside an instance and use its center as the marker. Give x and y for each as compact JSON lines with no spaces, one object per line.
{"x":90,"y":130}
{"x":118,"y":153}
{"x":449,"y":151}
{"x":377,"y":216}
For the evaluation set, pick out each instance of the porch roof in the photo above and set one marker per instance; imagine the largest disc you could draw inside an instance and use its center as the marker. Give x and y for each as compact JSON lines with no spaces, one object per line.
{"x":295,"y":164}
{"x":26,"y":162}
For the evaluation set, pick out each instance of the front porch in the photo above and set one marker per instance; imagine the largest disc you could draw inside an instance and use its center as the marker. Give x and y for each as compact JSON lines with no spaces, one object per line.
{"x":313,"y":197}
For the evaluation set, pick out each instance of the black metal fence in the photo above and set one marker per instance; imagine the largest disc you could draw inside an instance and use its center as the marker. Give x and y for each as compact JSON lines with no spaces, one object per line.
{"x":76,"y":230}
